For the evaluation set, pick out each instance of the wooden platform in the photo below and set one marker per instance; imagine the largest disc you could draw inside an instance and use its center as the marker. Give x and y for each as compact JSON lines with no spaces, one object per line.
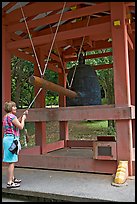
{"x":70,"y":159}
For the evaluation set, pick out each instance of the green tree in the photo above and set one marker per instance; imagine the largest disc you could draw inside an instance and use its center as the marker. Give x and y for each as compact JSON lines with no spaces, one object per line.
{"x":22,"y":91}
{"x":106,"y":78}
{"x":51,"y":97}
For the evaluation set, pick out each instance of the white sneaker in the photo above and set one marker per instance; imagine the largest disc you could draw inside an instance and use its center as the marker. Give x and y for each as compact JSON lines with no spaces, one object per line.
{"x":13,"y":185}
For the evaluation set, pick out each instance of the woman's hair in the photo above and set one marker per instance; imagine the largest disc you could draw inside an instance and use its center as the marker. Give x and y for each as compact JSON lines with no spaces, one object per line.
{"x":9,"y":105}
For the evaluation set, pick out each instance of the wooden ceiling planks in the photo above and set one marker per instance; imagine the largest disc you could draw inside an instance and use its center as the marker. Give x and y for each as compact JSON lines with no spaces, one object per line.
{"x":72,"y":29}
{"x":88,"y":10}
{"x":7,"y":7}
{"x":35,"y":9}
{"x":98,"y":32}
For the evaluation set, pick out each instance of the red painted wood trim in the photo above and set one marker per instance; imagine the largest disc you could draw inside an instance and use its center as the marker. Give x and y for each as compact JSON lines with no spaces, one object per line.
{"x":130,"y":42}
{"x":35,"y":9}
{"x":6,"y":66}
{"x":79,"y":143}
{"x":103,"y":66}
{"x":105,"y":54}
{"x":89,"y":10}
{"x":23,"y":56}
{"x":97,"y":32}
{"x":7,"y":7}
{"x":80,"y":113}
{"x":121,"y":81}
{"x":55,"y":145}
{"x":30,"y":151}
{"x":68,"y":163}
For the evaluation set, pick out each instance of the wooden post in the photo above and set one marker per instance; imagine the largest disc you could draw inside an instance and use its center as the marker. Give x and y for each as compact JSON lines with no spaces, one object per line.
{"x":6,"y":70}
{"x":121,"y":80}
{"x":132,"y":80}
{"x":63,"y":125}
{"x":40,"y":127}
{"x":6,"y":67}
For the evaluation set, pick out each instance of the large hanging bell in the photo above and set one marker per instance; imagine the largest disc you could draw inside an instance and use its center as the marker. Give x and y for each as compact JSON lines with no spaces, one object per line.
{"x":85,"y":83}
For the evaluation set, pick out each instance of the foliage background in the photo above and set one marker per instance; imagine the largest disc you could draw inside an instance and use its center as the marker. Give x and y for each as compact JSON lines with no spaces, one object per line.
{"x":23,"y":92}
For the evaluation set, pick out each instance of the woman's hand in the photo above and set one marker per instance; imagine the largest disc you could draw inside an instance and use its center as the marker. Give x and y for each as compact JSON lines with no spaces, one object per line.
{"x":24,"y":117}
{"x":26,"y":112}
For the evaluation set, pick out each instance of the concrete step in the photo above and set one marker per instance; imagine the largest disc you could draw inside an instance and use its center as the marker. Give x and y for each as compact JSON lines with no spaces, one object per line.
{"x":68,"y":186}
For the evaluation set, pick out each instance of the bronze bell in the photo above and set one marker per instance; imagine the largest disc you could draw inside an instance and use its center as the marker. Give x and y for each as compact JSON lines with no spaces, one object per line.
{"x":85,"y":83}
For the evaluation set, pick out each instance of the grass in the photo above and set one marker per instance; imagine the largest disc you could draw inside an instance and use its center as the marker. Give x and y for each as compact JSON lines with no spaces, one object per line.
{"x":97,"y":124}
{"x":78,"y":130}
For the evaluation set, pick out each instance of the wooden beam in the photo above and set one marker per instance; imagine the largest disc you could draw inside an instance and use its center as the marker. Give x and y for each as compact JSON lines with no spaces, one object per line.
{"x":130,"y":3}
{"x":55,"y":145}
{"x":96,"y":45}
{"x":39,"y":82}
{"x":24,"y":56}
{"x":101,"y":31}
{"x":55,"y":57}
{"x":97,"y":112}
{"x":89,"y":10}
{"x":69,"y":163}
{"x":121,"y":81}
{"x":71,"y":26}
{"x":101,"y":44}
{"x":79,"y":143}
{"x":103,"y":66}
{"x":35,"y":9}
{"x":70,"y":50}
{"x":6,"y":68}
{"x":98,"y":67}
{"x":67,"y":58}
{"x":92,"y":56}
{"x":131,"y":46}
{"x":7,"y":7}
{"x":14,"y":37}
{"x":53,"y":68}
{"x":133,"y":26}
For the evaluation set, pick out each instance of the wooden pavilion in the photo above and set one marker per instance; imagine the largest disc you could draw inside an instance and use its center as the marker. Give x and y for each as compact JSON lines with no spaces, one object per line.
{"x":65,"y":24}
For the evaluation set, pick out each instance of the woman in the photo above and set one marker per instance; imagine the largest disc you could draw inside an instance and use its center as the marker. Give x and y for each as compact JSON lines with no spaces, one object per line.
{"x":12,"y":126}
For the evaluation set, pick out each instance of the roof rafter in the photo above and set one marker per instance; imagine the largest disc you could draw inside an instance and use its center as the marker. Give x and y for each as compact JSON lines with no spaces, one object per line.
{"x":40,"y":7}
{"x":97,"y":32}
{"x":89,"y":10}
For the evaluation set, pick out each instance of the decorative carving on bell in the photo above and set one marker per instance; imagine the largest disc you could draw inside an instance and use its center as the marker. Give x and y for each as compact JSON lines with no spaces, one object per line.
{"x":85,"y":83}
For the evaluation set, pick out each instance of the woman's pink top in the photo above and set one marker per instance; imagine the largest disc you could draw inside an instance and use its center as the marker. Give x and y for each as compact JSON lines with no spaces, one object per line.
{"x":9,"y":127}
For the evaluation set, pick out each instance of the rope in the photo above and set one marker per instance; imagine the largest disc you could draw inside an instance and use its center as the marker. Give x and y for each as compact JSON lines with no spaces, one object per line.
{"x":31,"y":40}
{"x":60,"y":58}
{"x":42,"y":74}
{"x":34,"y":98}
{"x":54,"y":38}
{"x":78,"y":56}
